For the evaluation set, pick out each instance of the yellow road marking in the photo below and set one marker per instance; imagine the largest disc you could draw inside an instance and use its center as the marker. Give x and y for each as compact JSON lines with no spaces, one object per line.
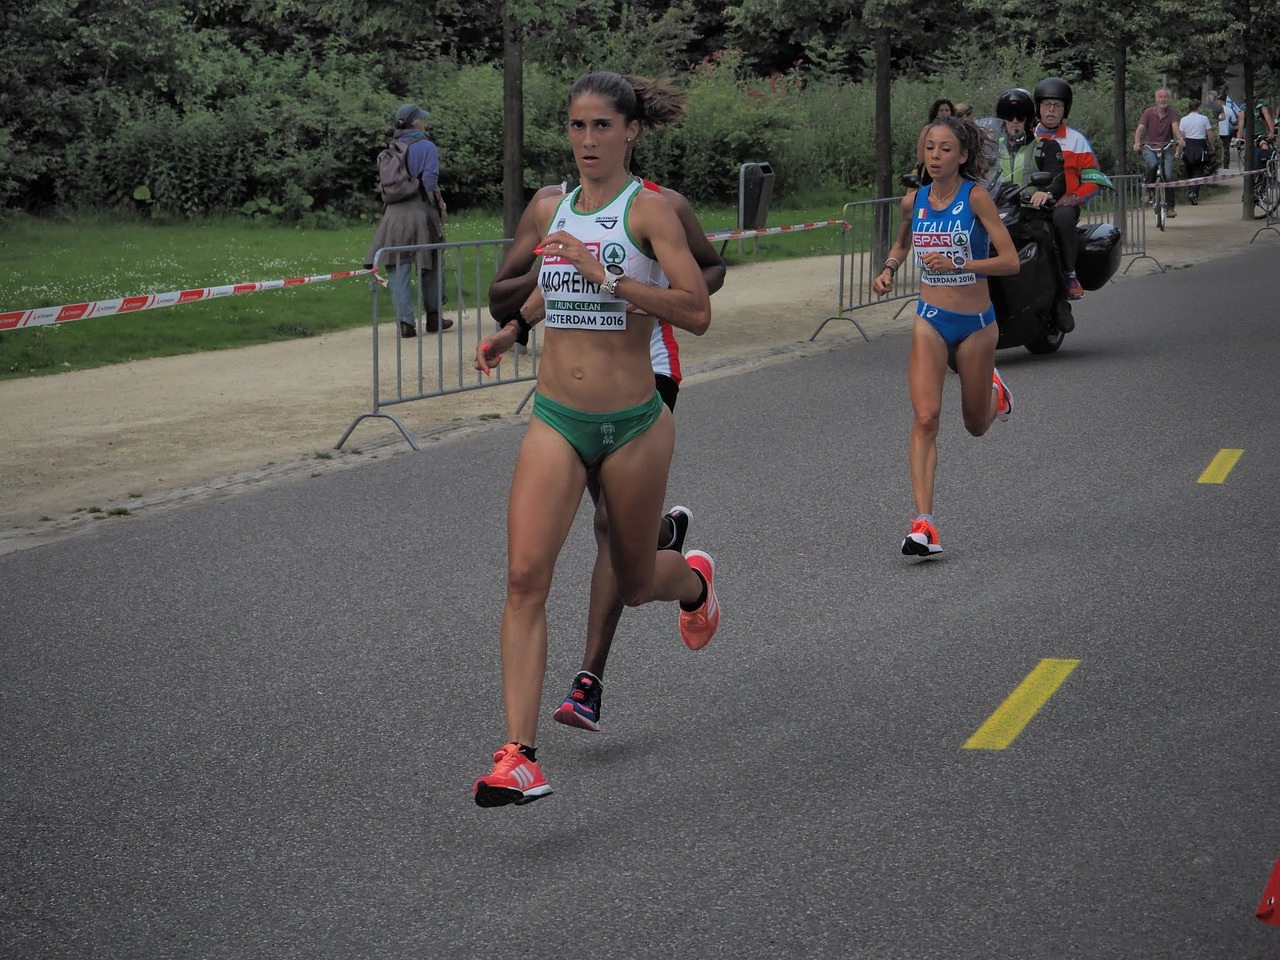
{"x":1003,"y":726}
{"x":1220,"y":466}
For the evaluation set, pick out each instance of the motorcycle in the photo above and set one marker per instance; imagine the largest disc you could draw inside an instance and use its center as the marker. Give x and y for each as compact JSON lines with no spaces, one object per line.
{"x":1032,"y":309}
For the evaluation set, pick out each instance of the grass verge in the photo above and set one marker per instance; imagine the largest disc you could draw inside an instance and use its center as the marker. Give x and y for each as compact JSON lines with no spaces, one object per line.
{"x":69,"y":261}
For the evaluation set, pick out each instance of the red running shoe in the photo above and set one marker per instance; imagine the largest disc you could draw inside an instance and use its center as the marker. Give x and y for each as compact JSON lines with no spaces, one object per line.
{"x":1004,"y":398}
{"x":922,"y":541}
{"x":697,"y":628}
{"x":515,"y":779}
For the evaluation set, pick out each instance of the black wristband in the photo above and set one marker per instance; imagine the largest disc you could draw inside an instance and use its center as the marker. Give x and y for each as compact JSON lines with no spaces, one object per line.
{"x":522,"y":328}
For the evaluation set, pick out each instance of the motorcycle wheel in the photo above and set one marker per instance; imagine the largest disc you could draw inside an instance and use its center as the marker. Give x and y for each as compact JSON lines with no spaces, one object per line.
{"x":1049,"y":343}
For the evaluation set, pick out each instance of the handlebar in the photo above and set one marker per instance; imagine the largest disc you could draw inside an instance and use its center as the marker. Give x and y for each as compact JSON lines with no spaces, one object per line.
{"x":1160,"y":147}
{"x":1258,"y":140}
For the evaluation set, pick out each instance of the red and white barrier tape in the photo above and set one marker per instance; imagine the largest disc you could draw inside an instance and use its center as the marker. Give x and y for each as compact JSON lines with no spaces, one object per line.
{"x":42,"y":316}
{"x":105,"y":308}
{"x":1215,"y":178}
{"x":736,"y":234}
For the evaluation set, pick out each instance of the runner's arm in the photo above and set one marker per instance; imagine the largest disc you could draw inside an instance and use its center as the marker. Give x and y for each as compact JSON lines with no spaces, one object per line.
{"x":1005,"y":263}
{"x":712,"y":264}
{"x":517,"y":276}
{"x":883,"y":281}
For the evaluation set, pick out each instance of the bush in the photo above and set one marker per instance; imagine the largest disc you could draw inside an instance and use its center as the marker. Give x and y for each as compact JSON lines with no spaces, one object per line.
{"x":294,"y":135}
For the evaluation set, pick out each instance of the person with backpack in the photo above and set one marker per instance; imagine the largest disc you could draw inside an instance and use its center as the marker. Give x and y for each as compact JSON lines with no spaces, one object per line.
{"x":414,"y":214}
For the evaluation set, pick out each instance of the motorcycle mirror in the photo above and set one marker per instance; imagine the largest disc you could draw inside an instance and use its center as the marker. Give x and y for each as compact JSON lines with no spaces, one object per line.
{"x":1041,"y":179}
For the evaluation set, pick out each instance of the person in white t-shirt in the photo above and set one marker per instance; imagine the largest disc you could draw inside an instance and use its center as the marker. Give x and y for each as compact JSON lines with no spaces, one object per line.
{"x":1197,"y":130}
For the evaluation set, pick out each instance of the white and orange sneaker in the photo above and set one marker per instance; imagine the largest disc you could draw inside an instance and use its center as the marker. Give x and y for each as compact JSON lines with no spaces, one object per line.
{"x":922,"y":541}
{"x":699,"y":626}
{"x":515,"y":779}
{"x":1004,"y":397}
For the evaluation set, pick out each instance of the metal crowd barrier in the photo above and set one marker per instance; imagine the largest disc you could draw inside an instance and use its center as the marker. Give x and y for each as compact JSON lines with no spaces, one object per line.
{"x":871,"y":226}
{"x":1124,"y":207}
{"x":439,"y":363}
{"x":865,"y":241}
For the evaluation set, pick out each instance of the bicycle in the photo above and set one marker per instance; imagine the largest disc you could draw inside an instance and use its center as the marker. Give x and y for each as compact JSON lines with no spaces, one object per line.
{"x":1159,"y":192}
{"x":1266,"y":185}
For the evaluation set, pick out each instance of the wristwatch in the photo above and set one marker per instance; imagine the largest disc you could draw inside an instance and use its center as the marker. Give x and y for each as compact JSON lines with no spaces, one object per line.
{"x":613,"y":274}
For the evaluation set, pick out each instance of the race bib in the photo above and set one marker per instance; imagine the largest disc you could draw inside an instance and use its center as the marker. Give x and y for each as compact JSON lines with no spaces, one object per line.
{"x":586,"y":314}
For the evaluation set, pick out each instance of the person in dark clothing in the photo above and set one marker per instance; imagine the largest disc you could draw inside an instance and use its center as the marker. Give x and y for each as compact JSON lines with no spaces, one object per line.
{"x":412,"y":222}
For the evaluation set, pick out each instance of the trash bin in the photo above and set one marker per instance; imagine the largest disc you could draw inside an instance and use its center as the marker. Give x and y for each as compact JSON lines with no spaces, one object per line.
{"x":755,"y":191}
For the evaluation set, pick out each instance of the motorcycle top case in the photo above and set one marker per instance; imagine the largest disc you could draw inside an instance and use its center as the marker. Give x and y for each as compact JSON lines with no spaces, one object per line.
{"x":1099,"y":256}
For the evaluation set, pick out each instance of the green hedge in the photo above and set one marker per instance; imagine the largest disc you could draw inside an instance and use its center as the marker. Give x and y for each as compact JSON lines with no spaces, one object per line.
{"x":295,"y":137}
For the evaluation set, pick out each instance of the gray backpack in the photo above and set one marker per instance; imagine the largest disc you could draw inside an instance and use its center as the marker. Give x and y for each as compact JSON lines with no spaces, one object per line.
{"x":395,"y":182}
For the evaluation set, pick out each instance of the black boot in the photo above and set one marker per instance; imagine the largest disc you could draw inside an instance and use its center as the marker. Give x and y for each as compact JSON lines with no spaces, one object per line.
{"x":1063,"y":318}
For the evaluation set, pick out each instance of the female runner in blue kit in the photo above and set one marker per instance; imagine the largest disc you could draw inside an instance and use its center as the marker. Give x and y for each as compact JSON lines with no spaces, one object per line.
{"x":959,"y":241}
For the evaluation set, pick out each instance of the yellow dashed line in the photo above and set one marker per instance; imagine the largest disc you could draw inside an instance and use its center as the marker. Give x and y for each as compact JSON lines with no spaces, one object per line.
{"x":1003,"y":726}
{"x":1220,"y":466}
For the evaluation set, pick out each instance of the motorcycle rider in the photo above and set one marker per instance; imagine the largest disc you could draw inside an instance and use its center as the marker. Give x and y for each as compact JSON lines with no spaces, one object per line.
{"x":1016,"y":109}
{"x":1052,"y":98}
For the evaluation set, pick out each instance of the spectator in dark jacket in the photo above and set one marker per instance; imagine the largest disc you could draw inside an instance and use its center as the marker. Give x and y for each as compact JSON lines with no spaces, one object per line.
{"x":412,"y":222}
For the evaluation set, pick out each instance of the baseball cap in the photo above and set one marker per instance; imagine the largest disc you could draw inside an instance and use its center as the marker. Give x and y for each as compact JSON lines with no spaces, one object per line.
{"x":408,"y":114}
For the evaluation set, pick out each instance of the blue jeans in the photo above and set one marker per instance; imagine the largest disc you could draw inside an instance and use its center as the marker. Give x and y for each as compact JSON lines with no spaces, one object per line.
{"x":403,"y":298}
{"x":400,"y":279}
{"x":1152,"y":160}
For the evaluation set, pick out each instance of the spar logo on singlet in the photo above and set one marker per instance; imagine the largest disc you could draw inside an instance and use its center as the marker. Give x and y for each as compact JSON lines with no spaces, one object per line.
{"x":593,"y":247}
{"x":940,"y":239}
{"x":614,"y":253}
{"x":946,"y":237}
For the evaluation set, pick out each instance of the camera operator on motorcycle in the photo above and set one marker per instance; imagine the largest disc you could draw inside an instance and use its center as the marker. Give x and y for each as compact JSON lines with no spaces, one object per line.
{"x":1053,"y":105}
{"x":1018,"y":113}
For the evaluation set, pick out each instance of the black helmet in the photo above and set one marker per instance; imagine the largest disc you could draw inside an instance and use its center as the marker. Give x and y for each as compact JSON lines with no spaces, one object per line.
{"x":1054,"y":88}
{"x":1015,"y":104}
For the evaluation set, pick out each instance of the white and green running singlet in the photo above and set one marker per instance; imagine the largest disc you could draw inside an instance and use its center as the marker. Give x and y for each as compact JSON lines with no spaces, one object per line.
{"x":575,"y":303}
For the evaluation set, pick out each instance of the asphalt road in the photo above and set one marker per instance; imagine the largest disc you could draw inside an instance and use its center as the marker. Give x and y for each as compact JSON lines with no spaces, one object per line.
{"x":249,"y":727}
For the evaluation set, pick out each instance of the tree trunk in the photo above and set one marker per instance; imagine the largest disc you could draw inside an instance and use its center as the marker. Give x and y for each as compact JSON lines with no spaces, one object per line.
{"x":1246,"y":193}
{"x":882,"y":241}
{"x":512,"y":122}
{"x":1119,"y":123}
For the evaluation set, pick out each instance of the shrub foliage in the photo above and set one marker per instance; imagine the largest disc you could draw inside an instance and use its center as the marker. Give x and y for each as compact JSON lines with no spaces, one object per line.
{"x":209,"y":123}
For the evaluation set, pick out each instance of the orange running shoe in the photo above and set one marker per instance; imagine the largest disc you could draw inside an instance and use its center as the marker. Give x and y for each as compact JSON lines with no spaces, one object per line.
{"x":697,"y":628}
{"x":515,"y":779}
{"x":922,"y":541}
{"x":1004,"y":397}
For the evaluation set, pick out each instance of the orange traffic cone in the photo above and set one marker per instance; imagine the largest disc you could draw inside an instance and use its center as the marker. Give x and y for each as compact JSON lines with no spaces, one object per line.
{"x":1269,"y":905}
